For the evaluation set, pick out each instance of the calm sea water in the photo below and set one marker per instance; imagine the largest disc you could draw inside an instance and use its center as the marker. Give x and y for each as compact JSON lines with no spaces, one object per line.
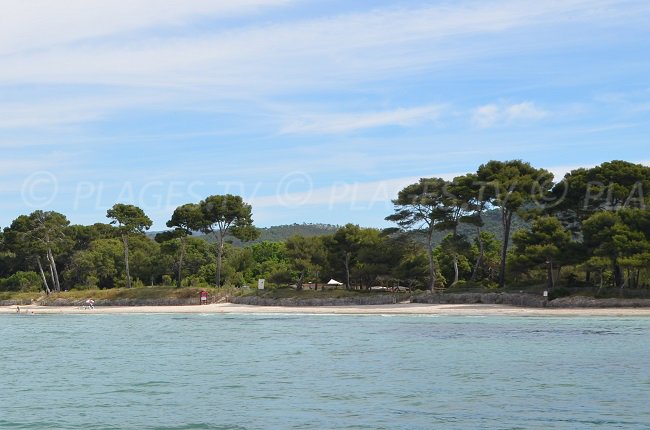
{"x":327,"y":372}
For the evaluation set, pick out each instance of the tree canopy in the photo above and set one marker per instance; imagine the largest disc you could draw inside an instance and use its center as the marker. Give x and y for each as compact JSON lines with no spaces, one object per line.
{"x":590,"y":230}
{"x":129,"y":219}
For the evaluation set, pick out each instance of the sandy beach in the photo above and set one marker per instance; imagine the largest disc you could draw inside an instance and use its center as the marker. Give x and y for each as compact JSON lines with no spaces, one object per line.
{"x":397,"y":309}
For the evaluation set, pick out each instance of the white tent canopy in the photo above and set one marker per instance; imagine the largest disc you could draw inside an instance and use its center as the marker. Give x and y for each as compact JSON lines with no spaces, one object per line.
{"x":334,"y":282}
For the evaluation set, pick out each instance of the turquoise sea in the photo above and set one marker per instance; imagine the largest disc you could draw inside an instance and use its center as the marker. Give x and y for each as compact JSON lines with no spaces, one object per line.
{"x":216,"y":371}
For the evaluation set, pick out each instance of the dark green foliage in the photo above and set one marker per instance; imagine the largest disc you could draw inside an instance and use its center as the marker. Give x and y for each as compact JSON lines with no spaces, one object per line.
{"x":515,"y":187}
{"x":129,"y":219}
{"x":184,"y":220}
{"x":456,"y":257}
{"x":622,"y":238}
{"x":222,"y":215}
{"x":421,"y":208}
{"x":449,"y":233}
{"x":558,"y":293}
{"x":22,"y":282}
{"x":545,"y":245}
{"x":307,"y":258}
{"x":98,"y":266}
{"x":37,"y":241}
{"x":610,"y":186}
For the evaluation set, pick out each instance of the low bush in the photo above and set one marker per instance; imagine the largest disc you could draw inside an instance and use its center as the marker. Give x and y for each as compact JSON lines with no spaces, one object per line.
{"x":22,"y":282}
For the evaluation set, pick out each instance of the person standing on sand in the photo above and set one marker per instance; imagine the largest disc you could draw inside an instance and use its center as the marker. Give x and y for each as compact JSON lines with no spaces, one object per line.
{"x":17,"y":309}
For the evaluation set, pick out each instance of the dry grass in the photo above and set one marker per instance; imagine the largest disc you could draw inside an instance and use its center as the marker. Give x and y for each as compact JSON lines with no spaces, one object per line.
{"x":144,"y":293}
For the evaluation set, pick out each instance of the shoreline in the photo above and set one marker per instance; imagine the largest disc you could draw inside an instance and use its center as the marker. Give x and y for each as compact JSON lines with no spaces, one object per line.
{"x":392,"y":309}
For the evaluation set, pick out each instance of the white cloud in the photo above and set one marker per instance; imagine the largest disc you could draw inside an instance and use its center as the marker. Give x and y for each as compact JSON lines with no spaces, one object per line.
{"x":523,"y":112}
{"x":39,"y":24}
{"x":493,"y":115}
{"x":341,"y":123}
{"x":120,"y":45}
{"x":50,"y":112}
{"x":295,"y":54}
{"x":486,"y":116}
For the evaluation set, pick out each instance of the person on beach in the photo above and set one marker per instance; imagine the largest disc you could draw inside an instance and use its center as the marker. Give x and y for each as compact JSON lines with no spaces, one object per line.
{"x":17,"y":309}
{"x":204,"y":297}
{"x":90,"y":303}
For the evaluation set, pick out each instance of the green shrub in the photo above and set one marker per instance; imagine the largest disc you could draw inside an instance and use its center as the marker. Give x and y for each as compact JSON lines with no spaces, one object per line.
{"x":196,"y":281}
{"x":90,"y":283}
{"x":489,"y":284}
{"x":22,"y":281}
{"x":119,"y":281}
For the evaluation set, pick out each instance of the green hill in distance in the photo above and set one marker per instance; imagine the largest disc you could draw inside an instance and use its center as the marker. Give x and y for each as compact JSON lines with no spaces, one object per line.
{"x":277,"y":233}
{"x":280,"y":233}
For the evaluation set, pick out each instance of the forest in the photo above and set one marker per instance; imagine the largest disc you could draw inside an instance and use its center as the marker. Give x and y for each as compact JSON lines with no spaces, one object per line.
{"x":508,"y":224}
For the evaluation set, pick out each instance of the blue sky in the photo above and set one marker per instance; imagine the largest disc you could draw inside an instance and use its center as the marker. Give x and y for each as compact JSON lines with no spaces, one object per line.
{"x":313,"y":111}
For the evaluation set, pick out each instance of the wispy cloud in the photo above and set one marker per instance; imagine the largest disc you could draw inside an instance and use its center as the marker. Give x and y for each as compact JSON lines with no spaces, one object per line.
{"x":342,"y":123}
{"x":486,"y":116}
{"x":92,"y":43}
{"x":293,"y":54}
{"x":73,"y":110}
{"x":357,"y":195}
{"x":206,"y":91}
{"x":42,"y":24}
{"x":492,"y":114}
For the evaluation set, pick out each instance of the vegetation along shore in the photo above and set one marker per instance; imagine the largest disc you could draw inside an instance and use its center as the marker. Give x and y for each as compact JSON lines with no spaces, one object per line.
{"x":508,"y":233}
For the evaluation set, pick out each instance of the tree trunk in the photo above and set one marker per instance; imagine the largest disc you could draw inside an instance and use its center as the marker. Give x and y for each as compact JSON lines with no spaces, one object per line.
{"x":619,"y":278}
{"x":219,"y":256}
{"x":299,"y":283}
{"x":50,"y":257}
{"x":600,"y":287}
{"x":40,"y":268}
{"x":49,"y":263}
{"x":455,"y":270}
{"x":481,"y":255}
{"x":506,"y":220}
{"x":347,"y":270}
{"x":432,"y":264}
{"x":179,"y":278}
{"x":125,"y":239}
{"x":549,"y":275}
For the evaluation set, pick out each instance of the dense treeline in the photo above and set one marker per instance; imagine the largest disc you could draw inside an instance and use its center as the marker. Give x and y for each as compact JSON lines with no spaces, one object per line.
{"x":592,"y":228}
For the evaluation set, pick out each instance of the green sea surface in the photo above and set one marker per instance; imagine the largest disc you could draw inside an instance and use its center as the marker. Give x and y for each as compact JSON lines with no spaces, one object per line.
{"x":216,"y":371}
